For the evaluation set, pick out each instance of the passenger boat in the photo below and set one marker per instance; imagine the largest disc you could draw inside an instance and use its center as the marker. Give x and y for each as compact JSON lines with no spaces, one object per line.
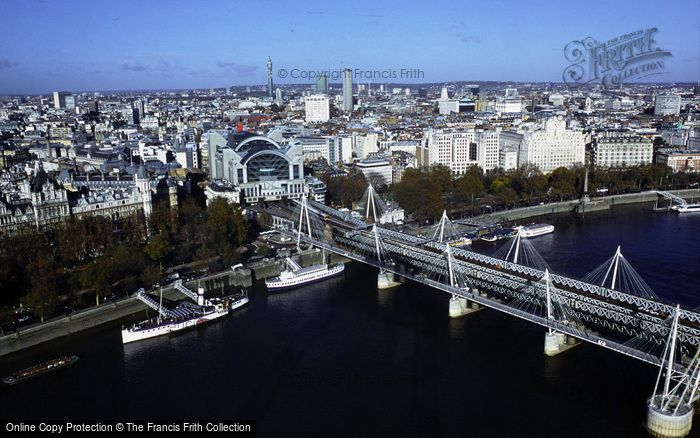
{"x":294,"y":275}
{"x":686,"y":208}
{"x":37,"y":370}
{"x":184,"y":316}
{"x":534,"y":230}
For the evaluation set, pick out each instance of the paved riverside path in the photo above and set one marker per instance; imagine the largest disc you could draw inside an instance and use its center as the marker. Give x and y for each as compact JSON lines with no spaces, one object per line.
{"x":596,"y":204}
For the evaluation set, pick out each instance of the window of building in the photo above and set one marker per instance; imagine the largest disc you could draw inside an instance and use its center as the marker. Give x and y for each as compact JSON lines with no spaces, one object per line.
{"x":267,"y":167}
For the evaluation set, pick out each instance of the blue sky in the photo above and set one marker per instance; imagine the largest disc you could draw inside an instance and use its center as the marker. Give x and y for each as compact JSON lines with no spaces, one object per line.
{"x":80,"y":45}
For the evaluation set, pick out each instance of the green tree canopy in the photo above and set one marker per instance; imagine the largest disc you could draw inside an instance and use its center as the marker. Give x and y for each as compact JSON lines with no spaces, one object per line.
{"x":562,"y":181}
{"x":226,"y":228}
{"x":421,"y":192}
{"x":43,"y":295}
{"x":470,"y":184}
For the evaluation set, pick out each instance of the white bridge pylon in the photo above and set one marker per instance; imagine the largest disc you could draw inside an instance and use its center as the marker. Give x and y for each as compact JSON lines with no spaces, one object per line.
{"x":375,"y":207}
{"x":303,"y":214}
{"x":548,"y":296}
{"x":670,"y":408}
{"x":385,"y":278}
{"x":515,"y":247}
{"x":439,"y":234}
{"x":556,"y":312}
{"x":521,"y":251}
{"x":620,"y":275}
{"x":449,"y":266}
{"x":459,"y":306}
{"x":371,"y":205}
{"x":445,"y":230}
{"x":376,"y":242}
{"x":614,"y":265}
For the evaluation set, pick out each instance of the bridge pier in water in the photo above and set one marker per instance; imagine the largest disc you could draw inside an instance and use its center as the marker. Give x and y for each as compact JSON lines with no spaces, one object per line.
{"x":461,"y":306}
{"x":670,"y":408}
{"x":386,"y":280}
{"x":667,"y":424}
{"x":555,"y":343}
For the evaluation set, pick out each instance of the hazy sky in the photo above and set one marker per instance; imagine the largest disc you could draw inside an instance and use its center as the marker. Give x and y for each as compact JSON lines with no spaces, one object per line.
{"x":107,"y":45}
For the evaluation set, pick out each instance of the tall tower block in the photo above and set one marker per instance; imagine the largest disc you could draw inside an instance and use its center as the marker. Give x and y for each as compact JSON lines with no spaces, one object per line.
{"x":270,"y":92}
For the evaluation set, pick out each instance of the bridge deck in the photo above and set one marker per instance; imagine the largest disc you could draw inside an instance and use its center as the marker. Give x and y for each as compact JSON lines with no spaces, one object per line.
{"x":623,"y":313}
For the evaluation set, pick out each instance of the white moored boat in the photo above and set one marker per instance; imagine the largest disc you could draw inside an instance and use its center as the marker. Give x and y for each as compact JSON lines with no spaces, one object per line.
{"x":686,"y":208}
{"x":184,"y":316}
{"x":534,"y":230}
{"x":294,"y":275}
{"x":462,"y":241}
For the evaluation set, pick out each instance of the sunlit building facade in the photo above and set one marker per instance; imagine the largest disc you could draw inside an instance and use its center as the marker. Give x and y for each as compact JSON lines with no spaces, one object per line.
{"x":260,"y":169}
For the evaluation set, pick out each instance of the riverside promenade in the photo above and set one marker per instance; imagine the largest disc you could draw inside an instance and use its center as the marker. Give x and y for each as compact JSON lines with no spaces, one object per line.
{"x":596,"y":204}
{"x":107,"y":312}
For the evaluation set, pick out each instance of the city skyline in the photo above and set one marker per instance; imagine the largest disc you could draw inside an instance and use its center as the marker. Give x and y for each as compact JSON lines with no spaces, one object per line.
{"x":325,"y":219}
{"x":79,"y":47}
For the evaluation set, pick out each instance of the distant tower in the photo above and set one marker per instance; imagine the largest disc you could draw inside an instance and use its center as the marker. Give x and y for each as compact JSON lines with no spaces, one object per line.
{"x":269,"y":78}
{"x":347,"y":90}
{"x":140,"y":109}
{"x":322,"y":84}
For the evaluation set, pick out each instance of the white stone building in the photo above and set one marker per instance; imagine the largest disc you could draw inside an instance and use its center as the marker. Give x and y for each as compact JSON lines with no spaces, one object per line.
{"x":460,"y":149}
{"x":667,"y":105}
{"x":552,"y":145}
{"x":680,"y":161}
{"x":317,"y":107}
{"x":376,"y":168}
{"x":621,"y":148}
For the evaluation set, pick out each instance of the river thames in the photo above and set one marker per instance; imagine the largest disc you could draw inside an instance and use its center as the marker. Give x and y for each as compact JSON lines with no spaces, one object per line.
{"x":341,"y":358}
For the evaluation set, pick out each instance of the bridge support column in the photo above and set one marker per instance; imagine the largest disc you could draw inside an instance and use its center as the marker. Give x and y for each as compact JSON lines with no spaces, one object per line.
{"x":667,"y":424}
{"x":551,"y":344}
{"x":555,"y":343}
{"x":460,"y":306}
{"x":670,"y":408}
{"x":385,"y":280}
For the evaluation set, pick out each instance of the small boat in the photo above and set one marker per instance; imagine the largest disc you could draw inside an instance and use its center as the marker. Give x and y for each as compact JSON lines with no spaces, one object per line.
{"x":462,"y":241}
{"x":534,"y":230}
{"x":37,"y":370}
{"x":686,"y":208}
{"x":499,"y":235}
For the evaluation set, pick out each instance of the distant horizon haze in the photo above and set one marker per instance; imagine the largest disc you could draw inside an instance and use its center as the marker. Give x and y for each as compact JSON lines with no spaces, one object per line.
{"x":261,"y":88}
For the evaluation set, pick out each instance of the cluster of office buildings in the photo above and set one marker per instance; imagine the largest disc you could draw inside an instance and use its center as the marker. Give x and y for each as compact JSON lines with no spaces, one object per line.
{"x":83,"y":153}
